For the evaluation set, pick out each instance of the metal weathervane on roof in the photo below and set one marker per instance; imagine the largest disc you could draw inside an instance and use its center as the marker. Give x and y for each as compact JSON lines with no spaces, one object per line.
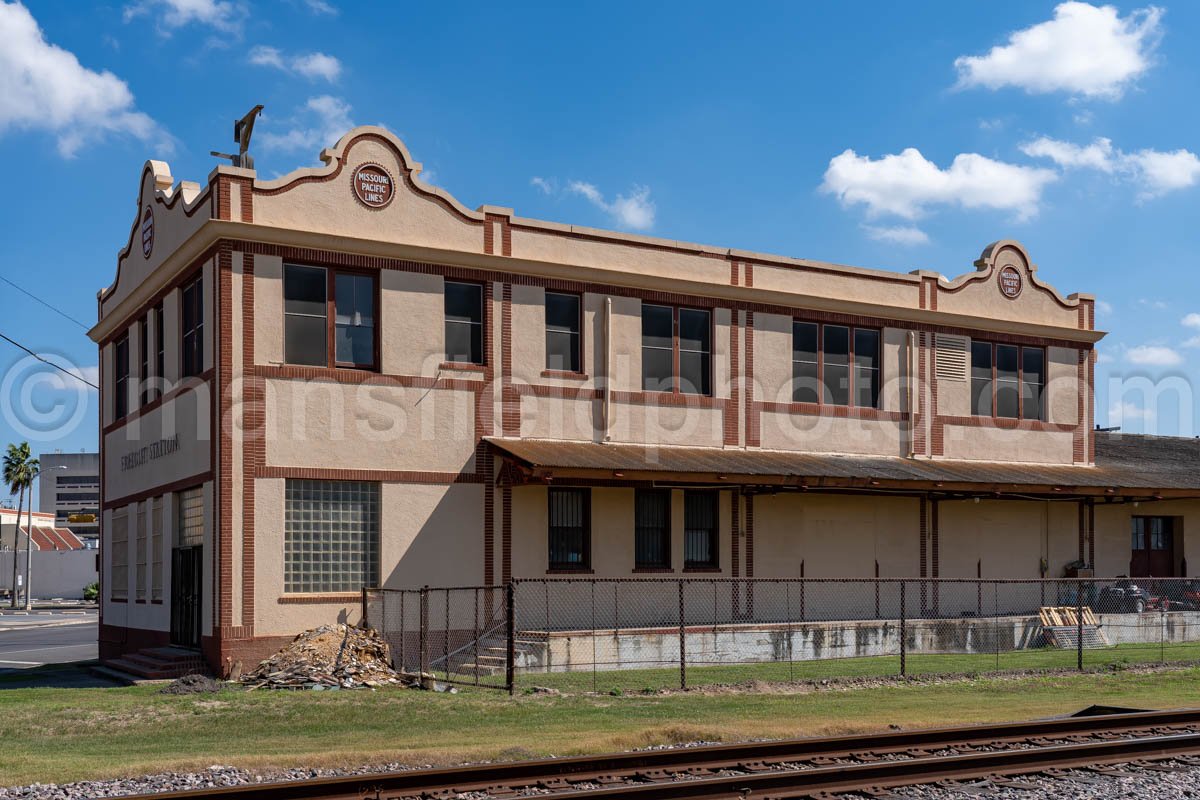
{"x":242,"y":129}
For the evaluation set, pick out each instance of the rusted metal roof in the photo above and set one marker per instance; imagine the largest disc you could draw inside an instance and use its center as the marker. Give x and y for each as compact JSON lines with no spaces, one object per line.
{"x":1130,"y":462}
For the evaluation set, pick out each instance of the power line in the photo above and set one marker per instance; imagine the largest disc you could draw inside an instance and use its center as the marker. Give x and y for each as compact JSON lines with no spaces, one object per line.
{"x":58,"y":311}
{"x":58,"y":367}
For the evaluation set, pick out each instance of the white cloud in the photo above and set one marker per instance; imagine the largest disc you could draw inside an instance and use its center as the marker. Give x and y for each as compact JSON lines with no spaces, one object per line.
{"x":635,"y":211}
{"x":321,"y":7}
{"x":310,"y":65}
{"x":1157,"y":305}
{"x":320,"y":123}
{"x":1191,"y":320}
{"x":1085,"y":50}
{"x":222,"y":15}
{"x":1192,"y":343}
{"x":44,"y":87}
{"x":1150,"y":355}
{"x":1084,"y":117}
{"x":897,"y":234}
{"x":1154,"y":171}
{"x":1125,"y":410}
{"x":546,"y":186}
{"x":1103,"y":358}
{"x":1104,"y":307}
{"x":905,"y":185}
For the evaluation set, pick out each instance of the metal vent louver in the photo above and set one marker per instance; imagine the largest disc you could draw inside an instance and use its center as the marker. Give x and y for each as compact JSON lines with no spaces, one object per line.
{"x":951,"y":357}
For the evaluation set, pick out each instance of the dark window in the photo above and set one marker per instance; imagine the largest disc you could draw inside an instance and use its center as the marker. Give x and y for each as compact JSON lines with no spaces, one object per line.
{"x":1007,"y":381}
{"x":1158,"y":533}
{"x":652,"y":529}
{"x":1138,"y":541}
{"x":866,"y":368}
{"x":695,"y":351}
{"x":806,"y":372}
{"x":569,"y":528}
{"x":981,"y":379}
{"x":307,"y":292}
{"x":657,"y":348}
{"x":354,"y":319}
{"x":700,"y":531}
{"x":1033,"y":381}
{"x":671,"y":337}
{"x":562,"y":332}
{"x":121,"y":380}
{"x":835,"y":365}
{"x":144,"y":377}
{"x":160,"y":351}
{"x":192,"y":341}
{"x":836,"y":352}
{"x":305,"y":315}
{"x":464,"y":322}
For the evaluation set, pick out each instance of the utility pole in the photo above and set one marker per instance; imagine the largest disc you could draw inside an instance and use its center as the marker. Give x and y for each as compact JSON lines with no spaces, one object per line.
{"x":17,"y":542}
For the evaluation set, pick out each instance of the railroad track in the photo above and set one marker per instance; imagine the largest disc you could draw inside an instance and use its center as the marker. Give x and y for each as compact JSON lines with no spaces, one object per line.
{"x":777,"y":769}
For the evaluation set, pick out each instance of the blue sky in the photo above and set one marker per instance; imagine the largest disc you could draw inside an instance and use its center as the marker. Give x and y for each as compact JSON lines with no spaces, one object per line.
{"x":875,"y":134}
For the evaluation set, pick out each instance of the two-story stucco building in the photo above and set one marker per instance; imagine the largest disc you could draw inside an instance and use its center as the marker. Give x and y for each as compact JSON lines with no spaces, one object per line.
{"x":343,"y":377}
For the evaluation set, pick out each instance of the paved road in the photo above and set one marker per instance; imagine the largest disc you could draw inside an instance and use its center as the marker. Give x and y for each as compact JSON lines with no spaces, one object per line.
{"x":29,"y":642}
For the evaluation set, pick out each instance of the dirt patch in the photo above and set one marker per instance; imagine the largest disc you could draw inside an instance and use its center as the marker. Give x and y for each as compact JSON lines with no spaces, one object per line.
{"x":193,"y":684}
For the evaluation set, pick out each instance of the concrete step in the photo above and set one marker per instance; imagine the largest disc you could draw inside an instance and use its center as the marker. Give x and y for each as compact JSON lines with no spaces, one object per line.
{"x":140,"y":670}
{"x":478,"y":669}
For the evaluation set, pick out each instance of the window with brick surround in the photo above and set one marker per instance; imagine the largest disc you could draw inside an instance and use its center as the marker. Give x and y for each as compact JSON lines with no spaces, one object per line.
{"x":160,"y":352}
{"x":464,"y":322}
{"x":1008,"y":381}
{"x":192,"y":332}
{"x":570,"y":527}
{"x":322,"y":304}
{"x":562,"y":332}
{"x":121,"y":377}
{"x":331,"y":536}
{"x":144,"y":378}
{"x":835,"y":365}
{"x":676,"y":349}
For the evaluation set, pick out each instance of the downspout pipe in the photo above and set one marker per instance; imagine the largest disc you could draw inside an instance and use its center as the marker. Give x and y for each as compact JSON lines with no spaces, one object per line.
{"x":912,"y":394}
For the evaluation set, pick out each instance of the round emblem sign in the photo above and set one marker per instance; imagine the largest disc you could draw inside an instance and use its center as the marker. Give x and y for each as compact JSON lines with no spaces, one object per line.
{"x":373,"y":185}
{"x":148,"y":232}
{"x":1010,"y":281}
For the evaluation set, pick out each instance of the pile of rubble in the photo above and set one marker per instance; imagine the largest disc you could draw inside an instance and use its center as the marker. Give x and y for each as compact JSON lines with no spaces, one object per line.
{"x":329,"y":657}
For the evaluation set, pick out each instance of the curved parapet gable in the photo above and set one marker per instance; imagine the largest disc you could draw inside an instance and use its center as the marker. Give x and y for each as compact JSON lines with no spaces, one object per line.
{"x":1005,"y":285}
{"x":323,"y":199}
{"x":167,"y":214}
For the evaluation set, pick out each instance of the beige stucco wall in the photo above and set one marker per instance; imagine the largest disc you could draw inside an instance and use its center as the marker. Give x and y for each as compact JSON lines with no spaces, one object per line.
{"x":189,"y":416}
{"x":1006,"y":538}
{"x":1113,"y":529}
{"x":998,"y":444}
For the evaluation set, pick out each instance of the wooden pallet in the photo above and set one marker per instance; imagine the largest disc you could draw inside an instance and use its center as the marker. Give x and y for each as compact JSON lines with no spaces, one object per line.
{"x":1066,"y":616}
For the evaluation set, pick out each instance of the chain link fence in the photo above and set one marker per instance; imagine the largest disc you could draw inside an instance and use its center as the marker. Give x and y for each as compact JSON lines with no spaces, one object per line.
{"x":647,"y":634}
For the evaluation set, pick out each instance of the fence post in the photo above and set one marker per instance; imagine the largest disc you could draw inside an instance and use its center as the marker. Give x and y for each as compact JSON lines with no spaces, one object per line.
{"x":363,"y":623}
{"x":682,"y":642}
{"x":1079,"y":626}
{"x":423,"y":667}
{"x":510,"y":627}
{"x":903,"y":631}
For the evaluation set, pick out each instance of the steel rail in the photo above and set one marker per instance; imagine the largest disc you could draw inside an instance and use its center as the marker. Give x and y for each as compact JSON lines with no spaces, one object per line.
{"x":611,"y":767}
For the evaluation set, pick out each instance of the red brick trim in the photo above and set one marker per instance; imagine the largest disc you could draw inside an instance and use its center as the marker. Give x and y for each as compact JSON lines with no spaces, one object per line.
{"x":506,"y":534}
{"x":380,"y":475}
{"x":185,"y":276}
{"x":510,"y":400}
{"x":749,"y":275}
{"x":358,"y":376}
{"x":652,"y":571}
{"x":1006,"y":424}
{"x":223,"y":574}
{"x":461,"y":366}
{"x":565,"y":374}
{"x":729,"y":420}
{"x":733,"y":273}
{"x":316,"y":599}
{"x":841,"y":412}
{"x":669,"y":399}
{"x":166,"y":488}
{"x":253,"y":430}
{"x":753,"y":418}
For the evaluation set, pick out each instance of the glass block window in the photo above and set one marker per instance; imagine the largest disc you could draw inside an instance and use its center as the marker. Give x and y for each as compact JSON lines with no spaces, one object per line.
{"x":190,"y":505}
{"x":331,"y":536}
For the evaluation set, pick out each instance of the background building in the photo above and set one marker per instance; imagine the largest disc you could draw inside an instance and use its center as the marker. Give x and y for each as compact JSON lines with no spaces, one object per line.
{"x":69,"y":488}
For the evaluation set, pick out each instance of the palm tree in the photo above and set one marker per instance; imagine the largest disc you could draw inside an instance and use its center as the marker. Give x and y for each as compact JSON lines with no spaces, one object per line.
{"x":19,"y":470}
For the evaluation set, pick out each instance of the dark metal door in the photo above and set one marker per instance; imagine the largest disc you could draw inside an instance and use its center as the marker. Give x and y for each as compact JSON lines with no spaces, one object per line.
{"x":1152,"y":548}
{"x":185,"y":596}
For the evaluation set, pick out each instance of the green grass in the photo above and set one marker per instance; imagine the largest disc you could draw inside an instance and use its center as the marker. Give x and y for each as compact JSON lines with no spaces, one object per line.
{"x":637,"y":680}
{"x":71,"y":734}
